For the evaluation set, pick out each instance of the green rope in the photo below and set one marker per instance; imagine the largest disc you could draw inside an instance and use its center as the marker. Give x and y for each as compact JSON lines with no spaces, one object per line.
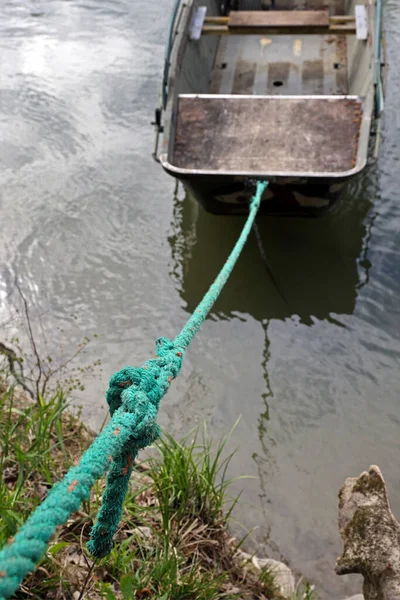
{"x":133,"y":396}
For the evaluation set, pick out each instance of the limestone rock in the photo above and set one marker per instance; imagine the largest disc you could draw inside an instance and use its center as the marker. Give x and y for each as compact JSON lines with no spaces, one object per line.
{"x":371,"y":536}
{"x":283,"y":575}
{"x":143,"y":533}
{"x":284,"y":578}
{"x":244,"y":557}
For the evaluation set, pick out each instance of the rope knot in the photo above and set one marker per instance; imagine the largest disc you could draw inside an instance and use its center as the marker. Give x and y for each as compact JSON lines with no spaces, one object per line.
{"x":119,"y":382}
{"x":134,"y":394}
{"x":153,"y":379}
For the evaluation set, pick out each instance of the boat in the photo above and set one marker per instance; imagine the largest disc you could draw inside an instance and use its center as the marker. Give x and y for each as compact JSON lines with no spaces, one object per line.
{"x":289,"y":91}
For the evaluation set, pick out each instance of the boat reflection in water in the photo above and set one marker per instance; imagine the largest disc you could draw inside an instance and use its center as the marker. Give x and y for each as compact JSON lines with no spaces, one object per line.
{"x":318,"y":269}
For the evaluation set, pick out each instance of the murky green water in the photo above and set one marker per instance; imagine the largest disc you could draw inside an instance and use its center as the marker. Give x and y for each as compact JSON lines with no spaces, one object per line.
{"x":100,"y":243}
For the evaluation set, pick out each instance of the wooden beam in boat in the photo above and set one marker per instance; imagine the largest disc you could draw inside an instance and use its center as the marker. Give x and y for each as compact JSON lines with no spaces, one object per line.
{"x":216,"y":20}
{"x":342,"y":19}
{"x":279,"y":22}
{"x":340,"y":29}
{"x":216,"y":30}
{"x":291,"y":19}
{"x":333,"y":19}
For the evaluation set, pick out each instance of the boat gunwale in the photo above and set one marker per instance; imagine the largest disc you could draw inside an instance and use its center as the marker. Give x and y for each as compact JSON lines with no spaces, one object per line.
{"x":267,"y":174}
{"x":278,"y":96}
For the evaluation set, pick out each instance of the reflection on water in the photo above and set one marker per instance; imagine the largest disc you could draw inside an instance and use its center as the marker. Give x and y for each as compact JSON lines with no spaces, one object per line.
{"x":318,"y":269}
{"x":318,"y":265}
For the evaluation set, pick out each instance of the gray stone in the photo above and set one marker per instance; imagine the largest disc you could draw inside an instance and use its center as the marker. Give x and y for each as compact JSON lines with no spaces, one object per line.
{"x":357,"y":597}
{"x":143,"y":533}
{"x":371,"y":536}
{"x":244,"y":557}
{"x":283,"y":575}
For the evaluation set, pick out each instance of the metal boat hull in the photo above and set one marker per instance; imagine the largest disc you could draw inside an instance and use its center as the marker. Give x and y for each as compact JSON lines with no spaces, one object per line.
{"x":294,"y":107}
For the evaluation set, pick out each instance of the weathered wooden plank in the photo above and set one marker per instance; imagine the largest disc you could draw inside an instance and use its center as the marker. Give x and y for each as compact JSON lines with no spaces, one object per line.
{"x":342,"y":19}
{"x":267,"y":134}
{"x":336,"y":7}
{"x":216,"y":20}
{"x":278,"y":18}
{"x":340,"y":28}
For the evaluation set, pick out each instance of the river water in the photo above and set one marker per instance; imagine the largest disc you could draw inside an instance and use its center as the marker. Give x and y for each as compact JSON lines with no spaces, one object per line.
{"x":102,"y":243}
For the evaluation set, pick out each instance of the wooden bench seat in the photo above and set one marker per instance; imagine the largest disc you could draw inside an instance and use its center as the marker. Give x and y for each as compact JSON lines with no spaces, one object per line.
{"x":291,"y":19}
{"x":275,"y":22}
{"x":267,"y":134}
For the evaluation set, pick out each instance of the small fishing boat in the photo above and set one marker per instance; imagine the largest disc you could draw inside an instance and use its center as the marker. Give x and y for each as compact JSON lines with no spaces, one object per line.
{"x":285,"y":90}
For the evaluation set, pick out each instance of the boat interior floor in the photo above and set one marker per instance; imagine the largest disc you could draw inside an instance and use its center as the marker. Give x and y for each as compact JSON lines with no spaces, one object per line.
{"x":280,"y":64}
{"x":254,"y":134}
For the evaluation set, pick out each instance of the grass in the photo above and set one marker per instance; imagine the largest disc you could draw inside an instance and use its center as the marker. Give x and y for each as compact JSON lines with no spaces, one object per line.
{"x":173,"y":542}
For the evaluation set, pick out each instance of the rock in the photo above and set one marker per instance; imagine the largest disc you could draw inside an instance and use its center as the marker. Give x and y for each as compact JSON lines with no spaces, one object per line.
{"x":284,"y":578}
{"x":144,"y":533}
{"x":357,"y":597}
{"x":244,"y":557}
{"x":371,"y":536}
{"x":231,"y":590}
{"x":283,"y":575}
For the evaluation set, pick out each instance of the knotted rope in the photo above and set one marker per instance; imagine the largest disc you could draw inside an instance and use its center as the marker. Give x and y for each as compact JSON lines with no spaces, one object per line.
{"x":133,"y":396}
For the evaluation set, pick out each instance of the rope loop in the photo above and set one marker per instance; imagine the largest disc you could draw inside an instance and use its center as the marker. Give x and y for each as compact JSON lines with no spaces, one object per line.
{"x":133,"y":396}
{"x":153,"y":378}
